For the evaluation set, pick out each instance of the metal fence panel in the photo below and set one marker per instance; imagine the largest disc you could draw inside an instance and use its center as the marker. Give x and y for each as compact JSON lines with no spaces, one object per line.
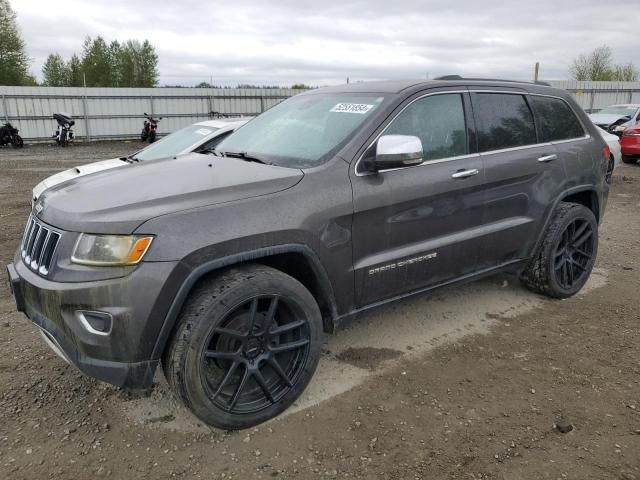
{"x":103,"y":113}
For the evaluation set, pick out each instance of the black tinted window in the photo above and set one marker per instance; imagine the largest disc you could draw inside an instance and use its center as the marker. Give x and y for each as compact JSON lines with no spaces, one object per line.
{"x":556,"y":121}
{"x":438,"y":121}
{"x":504,"y":121}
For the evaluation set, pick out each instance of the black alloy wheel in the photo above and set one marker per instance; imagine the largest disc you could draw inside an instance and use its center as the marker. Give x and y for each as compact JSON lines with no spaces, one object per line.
{"x":254,"y":355}
{"x":574,"y":253}
{"x":246,"y":345}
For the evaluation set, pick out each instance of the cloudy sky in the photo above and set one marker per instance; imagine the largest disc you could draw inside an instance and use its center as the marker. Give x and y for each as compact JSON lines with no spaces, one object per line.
{"x":323,"y":42}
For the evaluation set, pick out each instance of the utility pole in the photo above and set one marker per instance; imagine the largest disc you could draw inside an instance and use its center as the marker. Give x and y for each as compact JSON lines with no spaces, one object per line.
{"x":536,"y":71}
{"x":347,"y":80}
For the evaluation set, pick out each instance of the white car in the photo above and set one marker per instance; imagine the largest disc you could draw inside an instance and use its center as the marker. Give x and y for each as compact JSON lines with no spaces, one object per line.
{"x":615,"y":118}
{"x":194,"y":138}
{"x":614,"y":145}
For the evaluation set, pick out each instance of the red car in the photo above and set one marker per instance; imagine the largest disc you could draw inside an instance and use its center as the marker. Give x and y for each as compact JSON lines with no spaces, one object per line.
{"x":630,"y":144}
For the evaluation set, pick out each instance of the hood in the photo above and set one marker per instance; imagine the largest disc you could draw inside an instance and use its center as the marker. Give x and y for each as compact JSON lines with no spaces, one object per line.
{"x":118,"y":201}
{"x":75,"y":172}
{"x":605,"y":118}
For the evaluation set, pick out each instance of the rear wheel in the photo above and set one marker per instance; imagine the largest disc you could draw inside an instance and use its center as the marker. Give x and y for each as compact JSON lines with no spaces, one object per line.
{"x":628,"y":159}
{"x":610,"y":166}
{"x":566,"y":257}
{"x":17,"y":142}
{"x":246,"y":345}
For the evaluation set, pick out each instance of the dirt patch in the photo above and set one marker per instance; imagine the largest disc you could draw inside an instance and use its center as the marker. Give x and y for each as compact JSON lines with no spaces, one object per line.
{"x":367,"y":357}
{"x":486,"y":371}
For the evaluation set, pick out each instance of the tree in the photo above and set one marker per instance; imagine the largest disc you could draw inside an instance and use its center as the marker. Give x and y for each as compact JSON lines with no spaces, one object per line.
{"x":115,"y":60}
{"x":626,"y":73}
{"x":96,"y":63}
{"x":74,"y":72}
{"x":139,"y":64}
{"x":55,"y":71}
{"x":598,"y":66}
{"x":300,"y":86}
{"x":148,"y":66}
{"x":14,"y":63}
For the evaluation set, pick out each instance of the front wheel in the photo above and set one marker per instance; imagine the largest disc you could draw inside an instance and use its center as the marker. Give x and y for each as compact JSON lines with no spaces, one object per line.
{"x":246,"y":346}
{"x":17,"y":142}
{"x":152,"y":137}
{"x":564,"y":261}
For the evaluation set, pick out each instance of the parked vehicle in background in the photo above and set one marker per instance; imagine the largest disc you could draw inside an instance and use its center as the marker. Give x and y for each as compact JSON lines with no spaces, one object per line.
{"x":64,"y":132}
{"x":197,"y":137}
{"x":613,"y":141}
{"x":149,"y":129}
{"x":630,"y":143}
{"x":9,"y":136}
{"x":615,"y":118}
{"x":335,"y":201}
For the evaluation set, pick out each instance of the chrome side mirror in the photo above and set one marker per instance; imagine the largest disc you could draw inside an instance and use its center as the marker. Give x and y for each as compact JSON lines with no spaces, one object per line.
{"x":394,"y":151}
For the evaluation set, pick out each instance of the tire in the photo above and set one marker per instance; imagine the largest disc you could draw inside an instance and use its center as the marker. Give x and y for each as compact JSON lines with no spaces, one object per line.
{"x":630,"y":160}
{"x":227,"y":377}
{"x":17,"y":142}
{"x":610,"y":168}
{"x":564,"y":260}
{"x":63,"y":139}
{"x":152,"y":137}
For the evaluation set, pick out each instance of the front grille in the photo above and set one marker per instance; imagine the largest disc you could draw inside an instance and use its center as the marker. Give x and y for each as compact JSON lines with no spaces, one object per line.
{"x":38,"y":246}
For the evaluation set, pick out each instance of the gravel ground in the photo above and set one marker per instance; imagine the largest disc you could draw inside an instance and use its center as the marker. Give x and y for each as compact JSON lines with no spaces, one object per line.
{"x":469,"y":383}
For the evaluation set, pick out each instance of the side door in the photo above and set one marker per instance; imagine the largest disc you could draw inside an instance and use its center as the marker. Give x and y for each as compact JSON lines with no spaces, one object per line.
{"x":415,"y":227}
{"x":522,"y":174}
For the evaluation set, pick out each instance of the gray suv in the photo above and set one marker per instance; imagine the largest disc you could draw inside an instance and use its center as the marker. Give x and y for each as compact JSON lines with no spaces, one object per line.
{"x":227,"y":268}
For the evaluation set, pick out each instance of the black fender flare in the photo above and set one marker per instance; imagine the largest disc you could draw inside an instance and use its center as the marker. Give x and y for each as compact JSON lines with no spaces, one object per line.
{"x":227,"y":261}
{"x":564,"y":194}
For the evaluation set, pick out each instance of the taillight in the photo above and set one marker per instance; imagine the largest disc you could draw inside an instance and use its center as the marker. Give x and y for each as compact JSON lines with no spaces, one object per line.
{"x":606,"y":153}
{"x":631,"y":132}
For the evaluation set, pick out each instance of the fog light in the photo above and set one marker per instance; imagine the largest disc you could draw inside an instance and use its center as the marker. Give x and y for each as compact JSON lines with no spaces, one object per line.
{"x":98,"y":323}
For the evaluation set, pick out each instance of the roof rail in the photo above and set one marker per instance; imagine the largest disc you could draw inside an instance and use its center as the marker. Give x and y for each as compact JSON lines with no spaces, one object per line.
{"x":458,"y":77}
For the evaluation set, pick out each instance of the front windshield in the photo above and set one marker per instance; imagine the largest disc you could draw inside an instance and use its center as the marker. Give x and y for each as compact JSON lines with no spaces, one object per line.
{"x":175,"y":143}
{"x":622,"y":111}
{"x":303,"y":131}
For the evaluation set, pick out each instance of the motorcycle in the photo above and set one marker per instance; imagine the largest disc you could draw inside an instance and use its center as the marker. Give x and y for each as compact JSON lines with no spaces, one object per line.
{"x":9,"y":135}
{"x":64,"y":132}
{"x":150,"y":128}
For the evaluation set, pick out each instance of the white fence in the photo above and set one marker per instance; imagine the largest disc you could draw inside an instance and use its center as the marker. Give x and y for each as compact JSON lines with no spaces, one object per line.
{"x":595,"y":95}
{"x":105,"y":113}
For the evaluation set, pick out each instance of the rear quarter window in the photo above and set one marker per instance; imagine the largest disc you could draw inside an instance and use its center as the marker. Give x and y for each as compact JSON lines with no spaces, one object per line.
{"x":503,"y":120}
{"x":556,"y":120}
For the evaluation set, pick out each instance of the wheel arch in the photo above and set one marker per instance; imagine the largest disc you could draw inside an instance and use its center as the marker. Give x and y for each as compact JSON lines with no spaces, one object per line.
{"x":584,"y":195}
{"x":296,"y":260}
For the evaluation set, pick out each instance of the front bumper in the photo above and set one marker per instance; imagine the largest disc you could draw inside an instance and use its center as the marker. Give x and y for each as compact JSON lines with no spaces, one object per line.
{"x":123,"y":355}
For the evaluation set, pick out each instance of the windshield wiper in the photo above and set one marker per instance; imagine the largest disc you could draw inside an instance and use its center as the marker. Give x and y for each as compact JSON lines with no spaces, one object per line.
{"x":244,"y":156}
{"x":130,"y":159}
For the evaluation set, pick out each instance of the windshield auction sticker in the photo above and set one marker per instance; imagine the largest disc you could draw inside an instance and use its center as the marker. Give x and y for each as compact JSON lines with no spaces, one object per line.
{"x":360,"y":108}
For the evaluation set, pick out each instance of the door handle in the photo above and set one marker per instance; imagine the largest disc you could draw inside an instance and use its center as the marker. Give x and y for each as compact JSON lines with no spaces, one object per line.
{"x":547,"y":158}
{"x":466,"y":173}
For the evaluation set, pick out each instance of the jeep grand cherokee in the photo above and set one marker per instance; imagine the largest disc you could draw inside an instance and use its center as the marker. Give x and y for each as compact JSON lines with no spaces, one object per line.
{"x":228,"y":268}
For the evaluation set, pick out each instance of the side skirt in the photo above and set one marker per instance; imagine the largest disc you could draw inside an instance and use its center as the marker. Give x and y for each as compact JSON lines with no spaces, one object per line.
{"x":345,"y":320}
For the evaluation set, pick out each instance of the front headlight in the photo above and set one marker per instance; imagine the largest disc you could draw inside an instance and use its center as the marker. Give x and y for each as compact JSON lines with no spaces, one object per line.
{"x":110,"y":250}
{"x":618,"y":128}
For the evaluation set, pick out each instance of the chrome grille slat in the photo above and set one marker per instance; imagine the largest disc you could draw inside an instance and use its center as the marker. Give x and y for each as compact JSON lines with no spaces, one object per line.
{"x":32,"y":241}
{"x":38,"y":246}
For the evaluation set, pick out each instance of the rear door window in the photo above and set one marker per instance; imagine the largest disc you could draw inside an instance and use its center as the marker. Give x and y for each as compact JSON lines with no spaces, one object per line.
{"x":556,"y":120}
{"x":503,"y":121}
{"x":438,"y":121}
